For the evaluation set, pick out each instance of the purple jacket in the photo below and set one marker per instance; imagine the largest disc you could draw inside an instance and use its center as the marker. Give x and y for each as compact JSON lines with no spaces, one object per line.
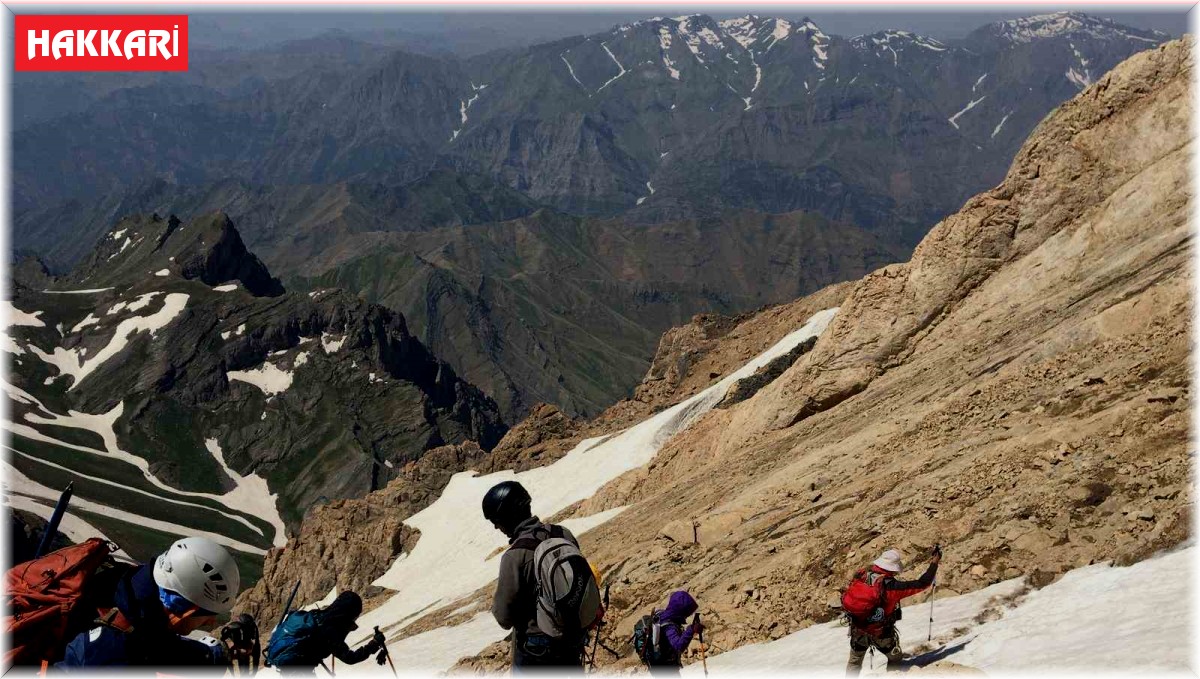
{"x":675,"y":616}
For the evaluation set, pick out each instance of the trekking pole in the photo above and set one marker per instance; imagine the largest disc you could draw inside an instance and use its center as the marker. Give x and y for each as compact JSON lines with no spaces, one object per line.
{"x":55,"y":519}
{"x":387,"y":655}
{"x":703,"y":652}
{"x":288,"y":606}
{"x":937,"y":549}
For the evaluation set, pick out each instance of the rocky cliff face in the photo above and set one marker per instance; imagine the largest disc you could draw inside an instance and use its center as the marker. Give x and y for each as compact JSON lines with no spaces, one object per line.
{"x":174,"y":353}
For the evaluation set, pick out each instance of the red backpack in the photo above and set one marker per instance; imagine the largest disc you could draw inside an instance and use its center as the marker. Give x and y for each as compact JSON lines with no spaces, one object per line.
{"x":51,"y":599}
{"x":865,"y":599}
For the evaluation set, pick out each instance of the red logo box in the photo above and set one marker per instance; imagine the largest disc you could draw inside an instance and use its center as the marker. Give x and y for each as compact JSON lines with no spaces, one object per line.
{"x":101,"y":42}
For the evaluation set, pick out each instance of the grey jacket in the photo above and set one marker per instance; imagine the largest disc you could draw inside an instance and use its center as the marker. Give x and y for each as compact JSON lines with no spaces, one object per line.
{"x":515,"y":603}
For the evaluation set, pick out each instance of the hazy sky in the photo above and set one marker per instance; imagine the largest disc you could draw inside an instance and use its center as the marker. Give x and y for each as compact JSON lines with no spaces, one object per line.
{"x":528,"y":26}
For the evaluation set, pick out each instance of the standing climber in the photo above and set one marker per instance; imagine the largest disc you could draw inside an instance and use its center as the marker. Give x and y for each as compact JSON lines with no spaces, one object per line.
{"x":306,"y":638}
{"x":872,"y":603}
{"x":661,"y":638}
{"x":156,"y":607}
{"x":544,"y":633}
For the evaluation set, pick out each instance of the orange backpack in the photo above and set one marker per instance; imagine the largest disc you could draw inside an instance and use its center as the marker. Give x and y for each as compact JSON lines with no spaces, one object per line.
{"x":44,"y":601}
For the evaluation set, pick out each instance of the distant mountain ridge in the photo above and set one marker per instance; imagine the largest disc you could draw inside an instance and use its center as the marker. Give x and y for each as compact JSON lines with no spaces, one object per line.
{"x":380,"y":170}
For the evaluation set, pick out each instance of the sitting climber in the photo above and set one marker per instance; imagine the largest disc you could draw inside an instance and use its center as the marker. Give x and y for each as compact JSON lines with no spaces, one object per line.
{"x":662,"y":637}
{"x":155,"y":607}
{"x":872,"y":604}
{"x":305,"y":638}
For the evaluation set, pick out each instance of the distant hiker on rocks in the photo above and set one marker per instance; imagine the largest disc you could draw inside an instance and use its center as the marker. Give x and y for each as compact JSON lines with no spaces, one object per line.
{"x":155,"y":607}
{"x":549,"y":622}
{"x":662,"y":637}
{"x":872,"y":604}
{"x":306,"y":638}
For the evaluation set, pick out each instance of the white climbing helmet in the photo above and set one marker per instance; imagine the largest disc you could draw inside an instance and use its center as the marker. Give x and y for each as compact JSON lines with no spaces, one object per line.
{"x":200,"y":571}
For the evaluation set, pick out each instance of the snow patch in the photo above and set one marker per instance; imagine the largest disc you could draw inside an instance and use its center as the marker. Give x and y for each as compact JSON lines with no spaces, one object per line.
{"x":71,"y":361}
{"x":664,"y":46}
{"x":977,"y":82}
{"x":228,"y":287}
{"x":267,"y":377}
{"x":454,"y":555}
{"x":250,"y":494}
{"x":162,"y":272}
{"x":1094,"y":617}
{"x":87,"y":321}
{"x":14,"y":316}
{"x":332,"y":344}
{"x":562,"y":56}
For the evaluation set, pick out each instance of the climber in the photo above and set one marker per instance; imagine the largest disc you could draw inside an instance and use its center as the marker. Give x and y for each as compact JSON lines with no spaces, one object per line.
{"x":662,"y":639}
{"x":515,"y":606}
{"x":305,"y":638}
{"x":155,"y":607}
{"x":872,"y":604}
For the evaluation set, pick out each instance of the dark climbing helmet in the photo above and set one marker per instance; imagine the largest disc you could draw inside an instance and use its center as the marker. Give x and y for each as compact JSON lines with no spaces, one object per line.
{"x":507,"y":504}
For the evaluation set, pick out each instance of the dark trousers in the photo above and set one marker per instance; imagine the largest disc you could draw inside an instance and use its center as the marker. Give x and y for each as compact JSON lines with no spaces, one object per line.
{"x":888,"y":643}
{"x":535,"y":652}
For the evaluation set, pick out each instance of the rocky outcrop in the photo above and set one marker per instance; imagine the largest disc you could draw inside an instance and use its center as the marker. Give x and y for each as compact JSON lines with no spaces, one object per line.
{"x":543,"y":437}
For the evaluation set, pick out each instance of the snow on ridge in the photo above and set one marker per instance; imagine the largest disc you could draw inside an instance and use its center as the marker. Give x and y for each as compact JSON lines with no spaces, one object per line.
{"x":14,"y":316}
{"x":1042,"y":26}
{"x":427,"y":577}
{"x":970,"y":105}
{"x":250,"y":494}
{"x":71,"y":361}
{"x":612,"y":79}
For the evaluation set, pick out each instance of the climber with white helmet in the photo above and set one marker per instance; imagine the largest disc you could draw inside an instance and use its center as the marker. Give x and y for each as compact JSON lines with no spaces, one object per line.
{"x":156,"y":606}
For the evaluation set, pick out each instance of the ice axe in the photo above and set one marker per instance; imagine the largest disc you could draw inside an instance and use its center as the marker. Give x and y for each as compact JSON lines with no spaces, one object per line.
{"x":703,"y":650}
{"x":384,"y":652}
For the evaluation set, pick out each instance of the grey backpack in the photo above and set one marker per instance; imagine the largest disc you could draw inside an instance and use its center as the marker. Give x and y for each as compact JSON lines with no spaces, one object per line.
{"x":568,"y":598}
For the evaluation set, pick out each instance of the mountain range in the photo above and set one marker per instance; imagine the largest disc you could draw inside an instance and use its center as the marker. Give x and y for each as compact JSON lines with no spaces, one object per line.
{"x":618,"y":182}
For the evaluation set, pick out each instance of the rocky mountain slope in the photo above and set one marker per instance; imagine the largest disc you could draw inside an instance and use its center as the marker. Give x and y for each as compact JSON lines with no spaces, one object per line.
{"x":1018,"y":392}
{"x":670,"y":158}
{"x":170,"y":370}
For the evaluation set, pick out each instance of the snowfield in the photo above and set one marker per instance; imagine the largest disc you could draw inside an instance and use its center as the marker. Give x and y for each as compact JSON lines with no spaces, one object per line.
{"x":71,"y":361}
{"x":251,"y":494}
{"x":459,"y":551}
{"x":1116,"y":620}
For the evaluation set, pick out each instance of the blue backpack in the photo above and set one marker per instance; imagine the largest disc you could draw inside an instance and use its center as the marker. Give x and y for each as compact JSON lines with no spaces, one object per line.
{"x":295,"y":640}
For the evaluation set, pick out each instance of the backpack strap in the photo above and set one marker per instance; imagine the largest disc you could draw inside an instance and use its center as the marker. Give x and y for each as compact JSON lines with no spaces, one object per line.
{"x":531,"y":542}
{"x":114,"y":619}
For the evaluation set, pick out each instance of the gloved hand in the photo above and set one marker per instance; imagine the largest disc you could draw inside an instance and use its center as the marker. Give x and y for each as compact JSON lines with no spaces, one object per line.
{"x":381,"y":658}
{"x":241,"y":637}
{"x":379,"y":638}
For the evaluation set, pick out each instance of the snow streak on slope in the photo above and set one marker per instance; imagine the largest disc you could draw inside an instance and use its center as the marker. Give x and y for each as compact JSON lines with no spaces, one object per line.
{"x":251,"y":493}
{"x":1099,"y":617}
{"x":970,"y":105}
{"x":612,"y":79}
{"x":19,"y":483}
{"x":563,"y":56}
{"x":451,"y":559}
{"x":999,"y":125}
